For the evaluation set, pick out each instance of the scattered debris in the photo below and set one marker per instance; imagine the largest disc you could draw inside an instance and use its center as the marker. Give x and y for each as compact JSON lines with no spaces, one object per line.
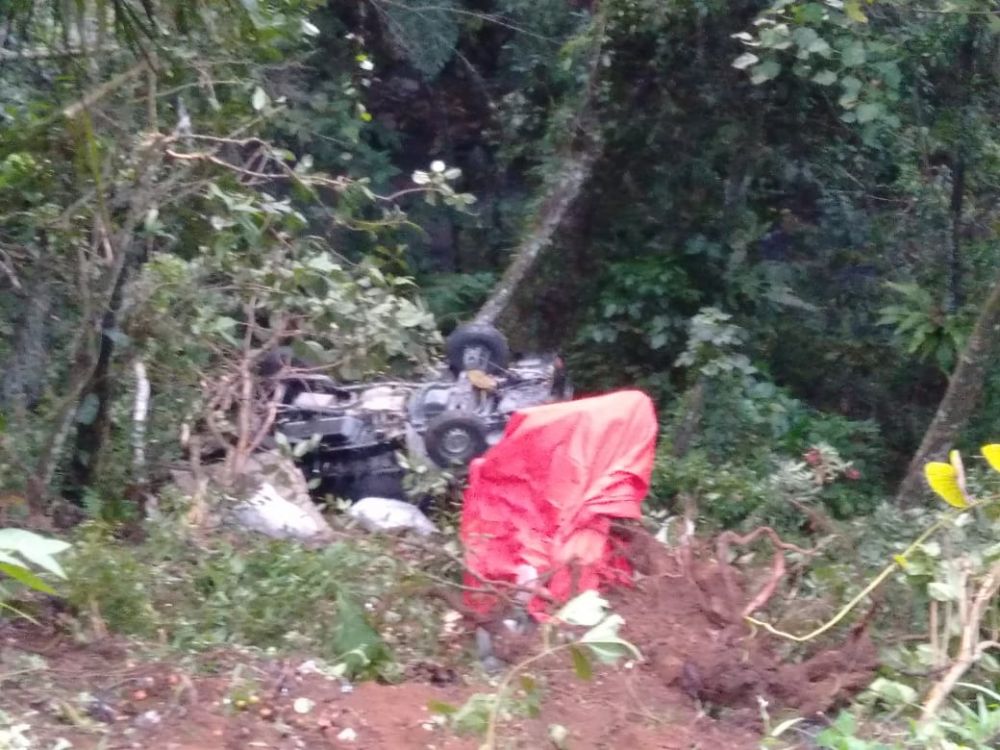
{"x":148,"y":719}
{"x":347,"y":735}
{"x":484,"y":650}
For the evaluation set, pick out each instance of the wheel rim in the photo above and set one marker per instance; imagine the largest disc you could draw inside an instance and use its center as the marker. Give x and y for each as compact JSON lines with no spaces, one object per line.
{"x":475,"y":357}
{"x":456,"y":442}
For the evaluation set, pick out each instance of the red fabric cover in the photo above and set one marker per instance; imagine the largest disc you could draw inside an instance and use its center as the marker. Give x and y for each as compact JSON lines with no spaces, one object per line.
{"x":546,"y":493}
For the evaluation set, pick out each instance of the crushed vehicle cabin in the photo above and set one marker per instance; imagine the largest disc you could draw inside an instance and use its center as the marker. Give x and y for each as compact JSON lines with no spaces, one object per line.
{"x":353,"y":432}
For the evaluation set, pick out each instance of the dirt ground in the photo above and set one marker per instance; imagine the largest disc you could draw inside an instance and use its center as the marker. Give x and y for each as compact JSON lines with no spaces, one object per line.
{"x":699,"y":686}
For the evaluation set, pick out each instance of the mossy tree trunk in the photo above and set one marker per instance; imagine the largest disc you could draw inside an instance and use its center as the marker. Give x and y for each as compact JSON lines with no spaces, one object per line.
{"x":961,"y":399}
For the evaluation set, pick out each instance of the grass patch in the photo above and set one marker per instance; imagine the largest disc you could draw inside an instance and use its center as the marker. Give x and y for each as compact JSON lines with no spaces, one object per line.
{"x":350,"y":603}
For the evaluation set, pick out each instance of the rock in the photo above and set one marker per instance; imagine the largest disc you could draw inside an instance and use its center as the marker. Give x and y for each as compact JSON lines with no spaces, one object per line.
{"x":388,"y":515}
{"x":148,"y":719}
{"x":269,"y":513}
{"x":101,"y":710}
{"x":271,"y":497}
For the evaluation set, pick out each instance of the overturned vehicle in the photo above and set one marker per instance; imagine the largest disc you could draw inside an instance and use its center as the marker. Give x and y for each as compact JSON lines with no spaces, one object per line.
{"x":353,"y":432}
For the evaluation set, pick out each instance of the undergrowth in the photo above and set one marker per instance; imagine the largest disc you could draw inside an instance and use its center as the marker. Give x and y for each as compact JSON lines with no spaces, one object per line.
{"x":349,"y":603}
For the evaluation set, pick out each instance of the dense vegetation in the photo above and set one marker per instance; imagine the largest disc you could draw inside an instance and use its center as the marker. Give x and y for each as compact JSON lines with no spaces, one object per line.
{"x":780,"y":221}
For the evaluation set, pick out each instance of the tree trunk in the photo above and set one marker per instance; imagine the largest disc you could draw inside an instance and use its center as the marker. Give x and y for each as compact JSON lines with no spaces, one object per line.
{"x":92,"y":436}
{"x":575,"y":172}
{"x":960,"y":399}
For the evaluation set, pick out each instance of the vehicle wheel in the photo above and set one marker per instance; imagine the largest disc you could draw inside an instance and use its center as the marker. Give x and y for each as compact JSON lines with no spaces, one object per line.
{"x":455,"y":438}
{"x":477,"y":346}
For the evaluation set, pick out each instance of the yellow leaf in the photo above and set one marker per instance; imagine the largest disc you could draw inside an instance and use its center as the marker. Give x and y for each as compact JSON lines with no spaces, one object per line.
{"x":901,"y":561}
{"x":853,"y":10}
{"x":943,"y":479}
{"x":992,"y":455}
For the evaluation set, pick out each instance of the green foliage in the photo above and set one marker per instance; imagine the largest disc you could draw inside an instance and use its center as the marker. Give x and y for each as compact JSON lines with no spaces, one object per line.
{"x":256,"y":593}
{"x":973,"y":727}
{"x":22,"y":553}
{"x":772,"y":489}
{"x":455,"y":297}
{"x":923,"y":328}
{"x":482,"y":713}
{"x":951,"y":565}
{"x":353,"y":316}
{"x":712,"y":343}
{"x":636,"y":305}
{"x":827,"y":44}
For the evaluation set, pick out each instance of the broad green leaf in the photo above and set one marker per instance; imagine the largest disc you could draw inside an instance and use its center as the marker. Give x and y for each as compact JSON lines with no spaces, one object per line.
{"x":825,"y":77}
{"x":604,"y":641}
{"x":854,"y":55}
{"x":23,"y":575}
{"x":745,"y":61}
{"x":805,"y":37}
{"x":765,"y":71}
{"x":942,"y":591}
{"x":869,"y":111}
{"x":322,"y":263}
{"x":34,"y":548}
{"x":409,"y":315}
{"x":851,"y":85}
{"x":658,"y":340}
{"x":811,"y":13}
{"x":586,"y":609}
{"x":439,"y":707}
{"x":820,"y":47}
{"x":359,"y":645}
{"x":893,"y":692}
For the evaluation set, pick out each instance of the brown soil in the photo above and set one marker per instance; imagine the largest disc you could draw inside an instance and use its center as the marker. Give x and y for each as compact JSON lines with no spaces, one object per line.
{"x":699,"y":686}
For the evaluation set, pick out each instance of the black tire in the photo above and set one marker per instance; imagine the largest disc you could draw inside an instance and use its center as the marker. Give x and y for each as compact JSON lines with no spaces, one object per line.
{"x":454,"y":438}
{"x":477,"y":346}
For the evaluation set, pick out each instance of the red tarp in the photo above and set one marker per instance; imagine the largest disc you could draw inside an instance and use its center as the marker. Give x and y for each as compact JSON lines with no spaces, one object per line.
{"x":546,"y":494}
